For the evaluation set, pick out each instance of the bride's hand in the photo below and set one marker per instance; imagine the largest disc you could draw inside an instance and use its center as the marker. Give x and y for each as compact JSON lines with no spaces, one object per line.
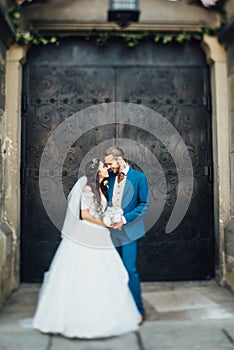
{"x":102,"y":223}
{"x":85,"y":215}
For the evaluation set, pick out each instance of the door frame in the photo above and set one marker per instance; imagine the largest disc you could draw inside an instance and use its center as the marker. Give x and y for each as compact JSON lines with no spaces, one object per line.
{"x":216,"y":58}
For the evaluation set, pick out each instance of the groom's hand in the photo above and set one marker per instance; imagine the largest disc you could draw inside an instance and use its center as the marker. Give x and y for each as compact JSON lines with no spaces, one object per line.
{"x":117,"y":225}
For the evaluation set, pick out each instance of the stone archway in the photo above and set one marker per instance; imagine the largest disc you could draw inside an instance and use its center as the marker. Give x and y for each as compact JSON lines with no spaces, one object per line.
{"x":12,"y":146}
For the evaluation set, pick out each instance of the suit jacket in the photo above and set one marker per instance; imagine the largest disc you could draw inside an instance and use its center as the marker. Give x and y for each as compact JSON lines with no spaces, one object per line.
{"x":135,"y":202}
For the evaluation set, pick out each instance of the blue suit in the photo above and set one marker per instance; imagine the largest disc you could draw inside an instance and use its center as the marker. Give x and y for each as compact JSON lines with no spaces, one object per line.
{"x":135,"y":202}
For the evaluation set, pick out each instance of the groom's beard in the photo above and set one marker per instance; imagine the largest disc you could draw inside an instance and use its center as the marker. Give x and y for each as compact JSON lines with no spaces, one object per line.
{"x":114,"y":170}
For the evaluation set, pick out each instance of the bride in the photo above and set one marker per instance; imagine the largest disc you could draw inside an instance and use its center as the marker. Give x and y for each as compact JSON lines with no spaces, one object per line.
{"x":85,"y":293}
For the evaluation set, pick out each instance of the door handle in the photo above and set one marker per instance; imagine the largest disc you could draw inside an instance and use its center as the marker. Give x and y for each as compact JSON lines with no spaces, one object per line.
{"x":208,"y":171}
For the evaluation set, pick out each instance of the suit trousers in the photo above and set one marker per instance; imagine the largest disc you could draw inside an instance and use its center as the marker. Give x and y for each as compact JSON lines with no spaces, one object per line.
{"x":128,"y":253}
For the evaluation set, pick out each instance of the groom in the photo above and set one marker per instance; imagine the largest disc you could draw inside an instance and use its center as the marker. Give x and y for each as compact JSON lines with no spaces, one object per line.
{"x":128,"y":189}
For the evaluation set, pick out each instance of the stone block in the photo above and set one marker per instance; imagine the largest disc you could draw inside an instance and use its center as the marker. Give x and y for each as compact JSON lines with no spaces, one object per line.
{"x":232,"y":170}
{"x":4,"y":2}
{"x":231,"y":99}
{"x":184,"y":336}
{"x":7,"y":232}
{"x":230,"y":333}
{"x":230,"y":60}
{"x":229,"y":7}
{"x":229,"y":246}
{"x":229,"y":238}
{"x":230,"y":264}
{"x":2,"y":53}
{"x":154,"y":14}
{"x":5,"y":246}
{"x":231,"y":121}
{"x":6,"y":258}
{"x":2,"y":86}
{"x":23,"y":340}
{"x":128,"y":341}
{"x":2,"y":248}
{"x":232,"y":201}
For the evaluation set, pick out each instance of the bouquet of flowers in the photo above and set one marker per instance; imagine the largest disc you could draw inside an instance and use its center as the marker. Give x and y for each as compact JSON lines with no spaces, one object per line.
{"x":112,"y":215}
{"x":204,"y":3}
{"x":208,"y":3}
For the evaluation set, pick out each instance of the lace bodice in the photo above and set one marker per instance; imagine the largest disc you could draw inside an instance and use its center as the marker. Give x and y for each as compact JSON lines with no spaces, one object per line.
{"x":87,"y":202}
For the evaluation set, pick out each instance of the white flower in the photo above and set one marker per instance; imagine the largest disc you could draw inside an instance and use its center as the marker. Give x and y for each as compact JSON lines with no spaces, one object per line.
{"x":112,"y":215}
{"x":94,"y":162}
{"x":20,"y":2}
{"x":27,"y":35}
{"x":208,"y":3}
{"x":105,"y":183}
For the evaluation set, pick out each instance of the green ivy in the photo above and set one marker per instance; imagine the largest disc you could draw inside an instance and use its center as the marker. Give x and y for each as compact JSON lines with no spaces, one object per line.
{"x":33,"y":37}
{"x":131,"y":39}
{"x":14,"y":13}
{"x":103,"y":38}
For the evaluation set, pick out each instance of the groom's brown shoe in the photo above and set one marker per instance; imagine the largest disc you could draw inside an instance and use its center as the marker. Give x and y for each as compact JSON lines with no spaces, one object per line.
{"x":143,"y":318}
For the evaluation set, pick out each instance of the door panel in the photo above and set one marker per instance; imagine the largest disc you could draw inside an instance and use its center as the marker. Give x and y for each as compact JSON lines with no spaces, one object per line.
{"x":178,"y":94}
{"x":53,"y":94}
{"x":170,"y":79}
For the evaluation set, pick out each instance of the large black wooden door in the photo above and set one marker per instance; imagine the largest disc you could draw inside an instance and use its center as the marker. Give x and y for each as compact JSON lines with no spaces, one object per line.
{"x":170,"y":79}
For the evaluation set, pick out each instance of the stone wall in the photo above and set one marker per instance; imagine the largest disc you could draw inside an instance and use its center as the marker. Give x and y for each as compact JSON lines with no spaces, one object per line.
{"x":226,"y":38}
{"x":2,"y":128}
{"x":70,"y":15}
{"x":8,"y":259}
{"x":2,"y":114}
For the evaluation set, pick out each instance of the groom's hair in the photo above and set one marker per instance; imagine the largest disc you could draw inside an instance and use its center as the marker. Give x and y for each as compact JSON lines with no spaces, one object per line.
{"x":115,"y":151}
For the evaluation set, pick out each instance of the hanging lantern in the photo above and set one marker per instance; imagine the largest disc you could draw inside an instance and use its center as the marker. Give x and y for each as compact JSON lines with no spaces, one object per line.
{"x":123,"y":12}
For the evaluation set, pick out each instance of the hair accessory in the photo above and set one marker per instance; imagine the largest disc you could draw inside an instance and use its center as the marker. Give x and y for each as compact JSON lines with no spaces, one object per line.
{"x":94,"y":162}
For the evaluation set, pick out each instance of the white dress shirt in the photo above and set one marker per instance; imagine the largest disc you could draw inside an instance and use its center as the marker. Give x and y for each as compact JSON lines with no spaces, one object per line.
{"x":118,"y":191}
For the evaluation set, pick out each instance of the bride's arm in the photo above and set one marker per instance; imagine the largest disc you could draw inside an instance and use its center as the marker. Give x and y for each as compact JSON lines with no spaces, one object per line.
{"x":85,"y":215}
{"x":86,"y":204}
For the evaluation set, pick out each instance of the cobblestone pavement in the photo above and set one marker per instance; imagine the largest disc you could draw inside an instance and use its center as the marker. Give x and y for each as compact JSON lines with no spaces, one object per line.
{"x":180,"y":316}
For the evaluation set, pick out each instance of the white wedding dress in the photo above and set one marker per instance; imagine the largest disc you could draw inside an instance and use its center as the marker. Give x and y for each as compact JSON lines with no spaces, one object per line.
{"x":85,"y":293}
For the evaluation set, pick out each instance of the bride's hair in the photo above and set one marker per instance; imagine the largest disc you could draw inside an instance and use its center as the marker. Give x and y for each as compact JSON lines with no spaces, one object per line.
{"x":91,"y":171}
